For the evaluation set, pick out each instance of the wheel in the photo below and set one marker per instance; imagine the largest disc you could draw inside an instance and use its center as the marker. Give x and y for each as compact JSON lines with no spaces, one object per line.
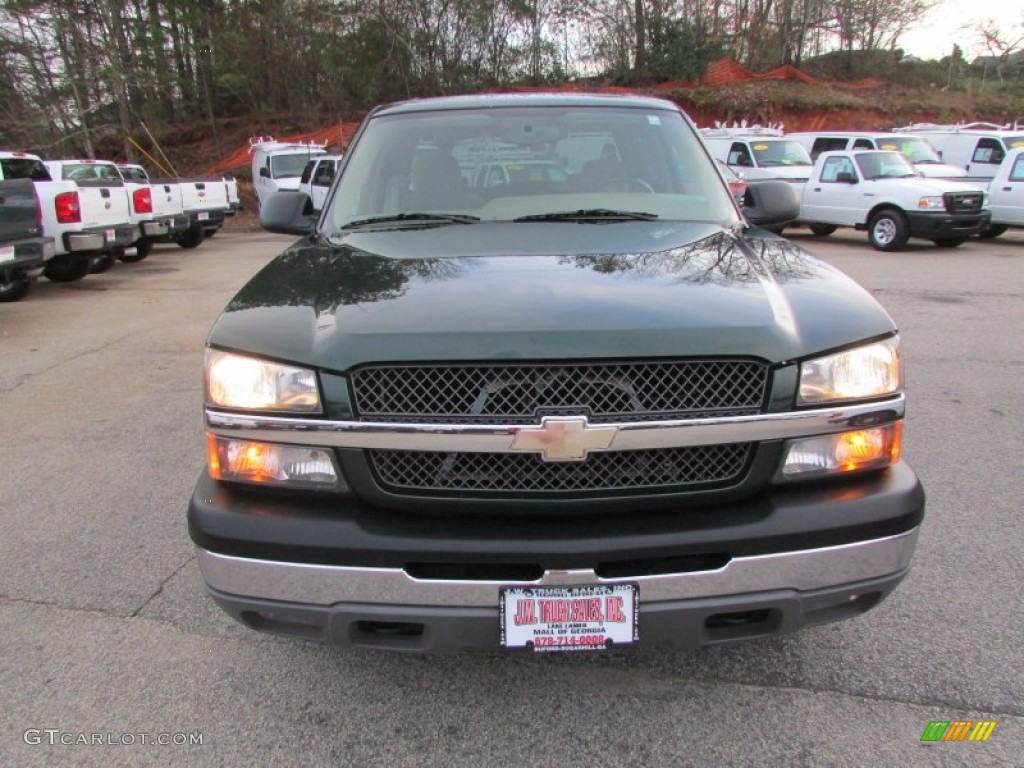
{"x":888,"y":231}
{"x":101,"y":262}
{"x":142,"y":250}
{"x":822,"y":230}
{"x":627,"y":181}
{"x":949,"y":242}
{"x":14,"y":284}
{"x":994,"y":230}
{"x":66,"y":268}
{"x":190,"y":238}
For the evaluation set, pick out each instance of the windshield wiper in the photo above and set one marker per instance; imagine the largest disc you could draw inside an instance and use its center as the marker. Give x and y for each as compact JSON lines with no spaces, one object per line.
{"x":584,"y":214}
{"x":454,"y":218}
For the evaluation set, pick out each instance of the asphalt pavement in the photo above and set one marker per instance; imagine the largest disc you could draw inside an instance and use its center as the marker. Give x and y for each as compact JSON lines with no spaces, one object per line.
{"x":108,"y":642}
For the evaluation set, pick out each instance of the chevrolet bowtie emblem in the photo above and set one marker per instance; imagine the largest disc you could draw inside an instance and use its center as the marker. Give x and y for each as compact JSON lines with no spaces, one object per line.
{"x":563,"y":438}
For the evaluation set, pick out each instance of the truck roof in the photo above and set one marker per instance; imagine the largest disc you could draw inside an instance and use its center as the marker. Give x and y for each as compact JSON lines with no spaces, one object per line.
{"x":499,"y":100}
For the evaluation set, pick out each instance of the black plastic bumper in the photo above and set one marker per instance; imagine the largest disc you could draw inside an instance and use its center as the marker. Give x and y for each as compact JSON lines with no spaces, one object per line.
{"x":946,"y":225}
{"x":26,"y":255}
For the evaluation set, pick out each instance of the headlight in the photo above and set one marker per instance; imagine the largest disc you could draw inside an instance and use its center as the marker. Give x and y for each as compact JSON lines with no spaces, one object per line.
{"x":931,"y":204}
{"x":873,"y":370}
{"x":237,"y":381}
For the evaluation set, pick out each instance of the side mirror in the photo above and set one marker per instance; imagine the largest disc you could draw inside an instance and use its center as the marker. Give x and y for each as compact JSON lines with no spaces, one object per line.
{"x":771,"y":203}
{"x":288,"y":213}
{"x":265,"y":172}
{"x":845,"y":177}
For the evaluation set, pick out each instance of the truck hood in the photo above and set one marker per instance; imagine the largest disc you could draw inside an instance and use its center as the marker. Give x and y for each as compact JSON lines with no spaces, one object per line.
{"x":916,"y":186}
{"x":940,"y":171}
{"x":507,"y":291}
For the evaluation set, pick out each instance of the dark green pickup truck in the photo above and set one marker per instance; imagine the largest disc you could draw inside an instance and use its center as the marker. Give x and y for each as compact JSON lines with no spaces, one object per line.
{"x":23,"y":248}
{"x":577,"y":403}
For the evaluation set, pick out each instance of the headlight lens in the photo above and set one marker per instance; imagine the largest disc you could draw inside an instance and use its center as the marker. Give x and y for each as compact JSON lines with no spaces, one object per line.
{"x":931,"y":204}
{"x":237,"y":381}
{"x":843,"y":452}
{"x":873,"y":370}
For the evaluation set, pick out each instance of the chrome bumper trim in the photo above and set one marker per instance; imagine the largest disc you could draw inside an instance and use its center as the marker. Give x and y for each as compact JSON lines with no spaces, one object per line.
{"x":491,"y":438}
{"x":154,"y":228}
{"x":86,"y":241}
{"x":803,"y":570}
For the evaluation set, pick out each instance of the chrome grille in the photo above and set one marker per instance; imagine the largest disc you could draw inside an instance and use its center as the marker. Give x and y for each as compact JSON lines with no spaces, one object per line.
{"x":962,"y":202}
{"x":498,"y":473}
{"x":522,"y":393}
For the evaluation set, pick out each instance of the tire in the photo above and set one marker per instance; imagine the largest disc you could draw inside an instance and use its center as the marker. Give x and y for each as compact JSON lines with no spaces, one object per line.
{"x":101,"y":262}
{"x":994,"y":230}
{"x":210,"y":232}
{"x":142,"y":250}
{"x":822,"y":230}
{"x":775,"y":229}
{"x":66,"y":268}
{"x":888,"y":230}
{"x":14,"y":284}
{"x":190,"y":239}
{"x":949,"y":242}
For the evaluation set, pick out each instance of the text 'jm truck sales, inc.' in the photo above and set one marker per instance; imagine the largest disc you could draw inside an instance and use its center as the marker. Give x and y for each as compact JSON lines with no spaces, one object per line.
{"x":534,"y":379}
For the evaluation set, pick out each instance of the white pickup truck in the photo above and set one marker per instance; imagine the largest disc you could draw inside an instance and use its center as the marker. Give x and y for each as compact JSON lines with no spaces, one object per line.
{"x":205,"y":202}
{"x":1005,"y":194}
{"x":881,"y":192}
{"x":104,"y":205}
{"x":157,"y":206}
{"x":317,"y":177}
{"x":759,"y":153}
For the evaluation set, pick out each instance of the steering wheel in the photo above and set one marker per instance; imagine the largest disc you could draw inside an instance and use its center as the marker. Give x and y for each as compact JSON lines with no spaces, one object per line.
{"x":629,"y":181}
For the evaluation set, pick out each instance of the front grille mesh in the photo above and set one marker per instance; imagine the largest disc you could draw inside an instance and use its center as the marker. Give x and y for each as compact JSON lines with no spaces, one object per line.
{"x":523,"y":393}
{"x":502,"y":473}
{"x":962,"y":202}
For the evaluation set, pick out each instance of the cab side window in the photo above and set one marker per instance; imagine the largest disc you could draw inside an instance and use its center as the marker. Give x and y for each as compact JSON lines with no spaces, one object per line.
{"x":988,"y":151}
{"x":835,"y":166}
{"x":830,"y":144}
{"x":740,"y":155}
{"x":1017,"y":172}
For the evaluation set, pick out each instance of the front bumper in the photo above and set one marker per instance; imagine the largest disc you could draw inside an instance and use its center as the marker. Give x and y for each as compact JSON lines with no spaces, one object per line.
{"x":947,"y":225}
{"x":346,"y":573}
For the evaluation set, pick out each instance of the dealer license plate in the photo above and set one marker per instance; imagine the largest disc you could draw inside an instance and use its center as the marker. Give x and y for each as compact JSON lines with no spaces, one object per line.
{"x":203,"y":216}
{"x":111,"y":235}
{"x":7,"y":253}
{"x":582,"y":618}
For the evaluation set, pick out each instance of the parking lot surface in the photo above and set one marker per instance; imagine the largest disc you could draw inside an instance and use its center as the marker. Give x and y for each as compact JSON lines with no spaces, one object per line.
{"x":105,"y":631}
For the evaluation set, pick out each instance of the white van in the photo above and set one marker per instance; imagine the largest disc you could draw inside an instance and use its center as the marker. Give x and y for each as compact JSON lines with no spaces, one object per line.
{"x":978,"y":148}
{"x":278,"y":165}
{"x":759,"y":153}
{"x":916,"y":149}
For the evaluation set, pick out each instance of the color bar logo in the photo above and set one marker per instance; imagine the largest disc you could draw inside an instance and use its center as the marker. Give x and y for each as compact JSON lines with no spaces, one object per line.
{"x":958,"y":730}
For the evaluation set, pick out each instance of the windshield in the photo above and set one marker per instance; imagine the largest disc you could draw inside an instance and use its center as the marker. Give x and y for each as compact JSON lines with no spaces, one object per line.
{"x":288,"y":166}
{"x":884,"y":165}
{"x":914,"y":148}
{"x":773,"y":153}
{"x":500,"y":164}
{"x":1014,"y":142}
